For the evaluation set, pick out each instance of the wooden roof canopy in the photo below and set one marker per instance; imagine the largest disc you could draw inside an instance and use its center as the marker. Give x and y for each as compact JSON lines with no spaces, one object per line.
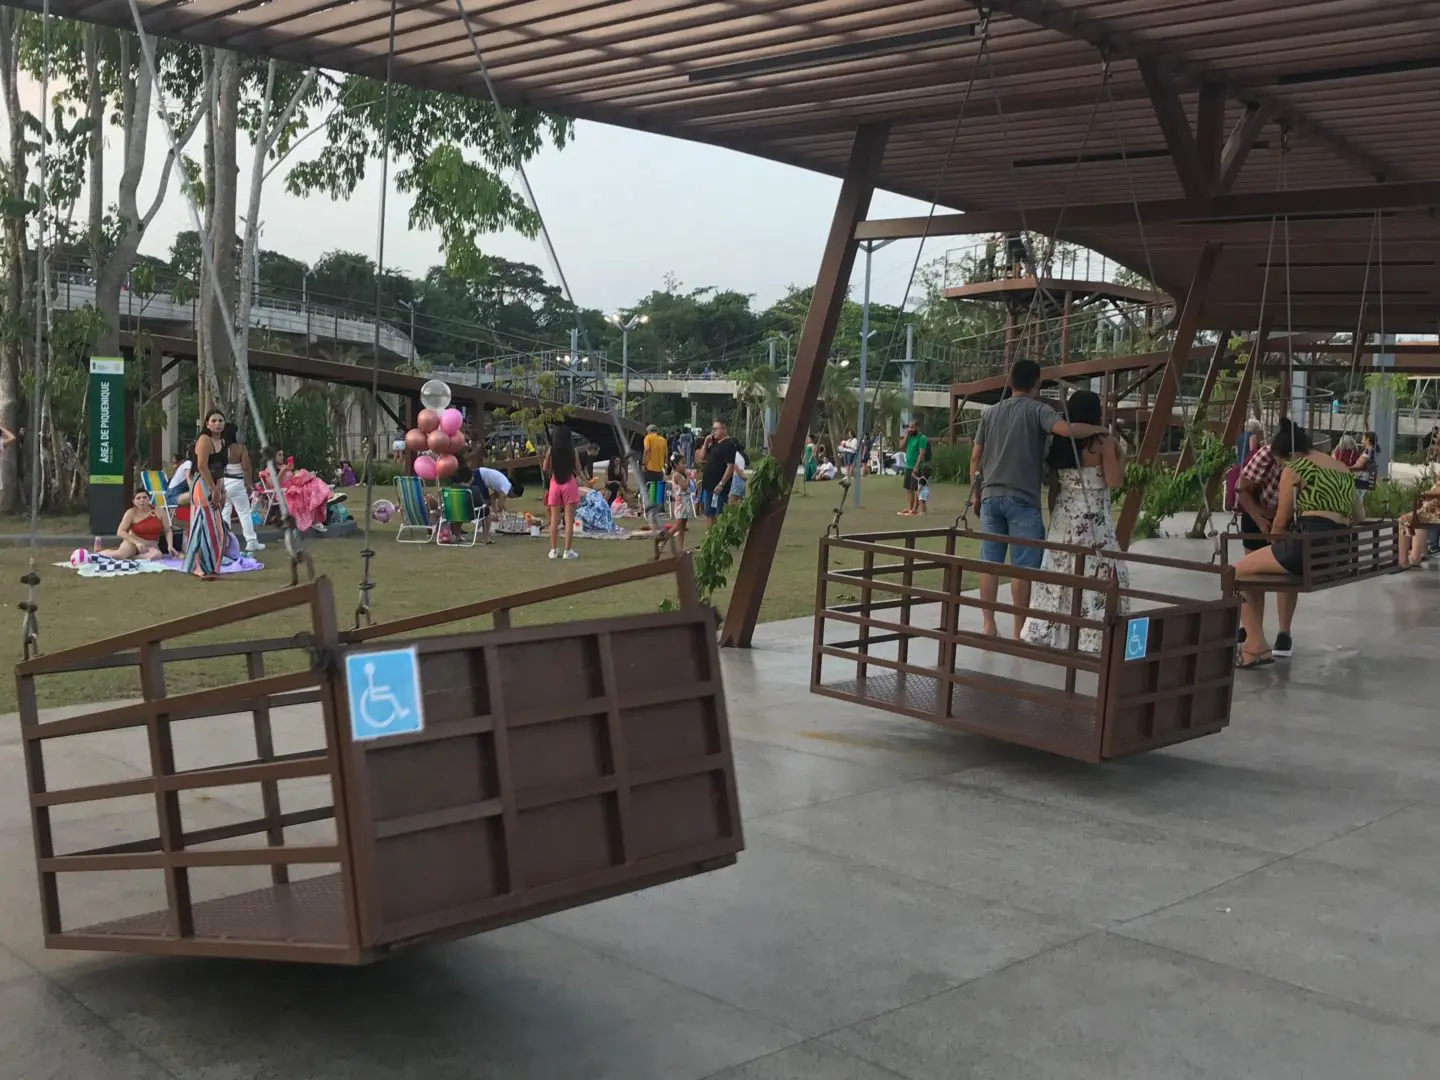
{"x":1190,"y":127}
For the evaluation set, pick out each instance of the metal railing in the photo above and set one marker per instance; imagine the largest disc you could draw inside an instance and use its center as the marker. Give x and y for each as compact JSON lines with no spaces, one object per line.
{"x":989,"y":260}
{"x":315,"y":322}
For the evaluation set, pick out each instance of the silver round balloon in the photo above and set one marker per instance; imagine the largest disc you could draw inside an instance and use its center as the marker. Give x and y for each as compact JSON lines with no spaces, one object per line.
{"x":435,"y":394}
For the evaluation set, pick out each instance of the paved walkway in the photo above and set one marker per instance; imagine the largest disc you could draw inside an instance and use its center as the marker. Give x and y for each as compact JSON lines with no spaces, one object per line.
{"x":913,"y":903}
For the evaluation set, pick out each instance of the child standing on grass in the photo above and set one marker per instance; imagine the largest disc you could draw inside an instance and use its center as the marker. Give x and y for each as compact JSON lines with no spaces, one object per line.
{"x":682,"y":500}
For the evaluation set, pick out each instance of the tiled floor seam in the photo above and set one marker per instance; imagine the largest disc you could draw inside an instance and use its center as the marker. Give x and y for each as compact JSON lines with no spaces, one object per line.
{"x":775,"y":1053}
{"x":1118,"y":927}
{"x":800,"y":1036}
{"x":124,"y":1039}
{"x":960,"y":891}
{"x":1357,"y":1008}
{"x":827,"y":1036}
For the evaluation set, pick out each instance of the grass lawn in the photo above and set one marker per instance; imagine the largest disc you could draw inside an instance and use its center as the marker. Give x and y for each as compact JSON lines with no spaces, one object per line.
{"x":411,"y":580}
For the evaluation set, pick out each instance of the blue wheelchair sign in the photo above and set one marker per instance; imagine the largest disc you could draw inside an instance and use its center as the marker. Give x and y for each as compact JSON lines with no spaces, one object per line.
{"x":1137,"y":638}
{"x":384,"y":692}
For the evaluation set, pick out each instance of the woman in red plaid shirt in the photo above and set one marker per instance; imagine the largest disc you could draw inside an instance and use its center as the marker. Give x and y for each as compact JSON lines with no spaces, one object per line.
{"x":1257,"y":493}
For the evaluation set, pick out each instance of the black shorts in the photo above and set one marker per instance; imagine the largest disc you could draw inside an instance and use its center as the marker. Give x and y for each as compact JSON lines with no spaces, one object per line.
{"x":1247,"y":525}
{"x":1290,"y":553}
{"x":911,"y":482}
{"x":651,"y":477}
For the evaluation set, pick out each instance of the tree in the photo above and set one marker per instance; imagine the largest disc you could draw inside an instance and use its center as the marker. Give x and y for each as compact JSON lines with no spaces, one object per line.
{"x":450,"y":152}
{"x":756,"y":389}
{"x":104,"y":75}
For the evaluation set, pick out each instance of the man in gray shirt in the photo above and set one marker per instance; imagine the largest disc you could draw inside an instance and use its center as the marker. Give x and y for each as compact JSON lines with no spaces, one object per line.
{"x":1008,"y":465}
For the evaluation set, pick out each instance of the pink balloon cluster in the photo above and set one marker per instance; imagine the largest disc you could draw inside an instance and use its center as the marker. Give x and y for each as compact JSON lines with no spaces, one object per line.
{"x":437,"y":439}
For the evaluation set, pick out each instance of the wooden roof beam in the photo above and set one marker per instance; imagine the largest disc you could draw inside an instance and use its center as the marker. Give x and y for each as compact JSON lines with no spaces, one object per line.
{"x":1116,"y":46}
{"x":1175,"y":126}
{"x":1220,"y":210}
{"x":1239,"y":144}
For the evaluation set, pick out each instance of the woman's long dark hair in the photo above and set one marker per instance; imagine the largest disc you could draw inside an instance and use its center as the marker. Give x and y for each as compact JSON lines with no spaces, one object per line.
{"x":1290,"y":439}
{"x":562,"y":454}
{"x":1082,"y":407}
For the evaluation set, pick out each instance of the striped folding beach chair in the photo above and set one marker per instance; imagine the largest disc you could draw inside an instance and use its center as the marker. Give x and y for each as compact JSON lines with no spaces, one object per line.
{"x":155,"y":485}
{"x":415,"y":524}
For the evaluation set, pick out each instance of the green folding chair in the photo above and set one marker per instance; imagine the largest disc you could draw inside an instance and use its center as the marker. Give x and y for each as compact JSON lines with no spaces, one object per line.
{"x":457,"y":508}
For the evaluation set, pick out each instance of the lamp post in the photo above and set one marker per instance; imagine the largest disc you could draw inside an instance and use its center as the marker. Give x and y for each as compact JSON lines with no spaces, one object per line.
{"x":625,"y":328}
{"x":414,"y":353}
{"x":870,"y":246}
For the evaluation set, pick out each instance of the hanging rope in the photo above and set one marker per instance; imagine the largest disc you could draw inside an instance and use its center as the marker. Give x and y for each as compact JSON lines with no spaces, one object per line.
{"x":30,"y":606}
{"x":888,"y":357}
{"x":833,"y":529}
{"x":1052,"y":240}
{"x":502,"y":117}
{"x":293,"y":545}
{"x":367,"y":553}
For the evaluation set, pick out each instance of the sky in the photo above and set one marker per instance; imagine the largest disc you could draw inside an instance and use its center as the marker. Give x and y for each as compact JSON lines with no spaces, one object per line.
{"x":624,"y":208}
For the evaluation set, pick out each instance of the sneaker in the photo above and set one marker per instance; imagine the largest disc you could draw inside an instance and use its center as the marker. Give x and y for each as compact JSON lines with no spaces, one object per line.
{"x":1283,"y":645}
{"x":253,"y":547}
{"x":571,"y":553}
{"x":554,"y":553}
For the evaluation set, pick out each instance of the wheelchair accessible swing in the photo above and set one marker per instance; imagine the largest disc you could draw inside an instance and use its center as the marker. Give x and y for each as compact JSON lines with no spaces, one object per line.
{"x":911,"y":644}
{"x":404,"y":788}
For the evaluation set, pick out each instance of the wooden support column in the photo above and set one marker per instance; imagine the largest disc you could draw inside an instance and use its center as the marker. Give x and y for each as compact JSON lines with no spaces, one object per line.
{"x":1212,"y":376}
{"x":826,"y":302}
{"x":1161,"y":411}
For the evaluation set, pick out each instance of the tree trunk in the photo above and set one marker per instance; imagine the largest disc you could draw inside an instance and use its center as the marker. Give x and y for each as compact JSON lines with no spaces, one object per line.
{"x":95,"y":112}
{"x":264,"y":141}
{"x":221,"y":310}
{"x":12,"y":350}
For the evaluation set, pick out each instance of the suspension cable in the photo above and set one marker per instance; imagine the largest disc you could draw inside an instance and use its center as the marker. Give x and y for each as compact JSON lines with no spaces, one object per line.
{"x":1052,"y":240}
{"x":30,"y":606}
{"x":507,"y":129}
{"x":293,"y":544}
{"x":888,"y":357}
{"x":367,"y":553}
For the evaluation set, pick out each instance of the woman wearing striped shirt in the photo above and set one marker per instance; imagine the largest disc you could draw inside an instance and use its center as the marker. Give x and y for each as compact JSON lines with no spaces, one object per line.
{"x":1317,"y":496}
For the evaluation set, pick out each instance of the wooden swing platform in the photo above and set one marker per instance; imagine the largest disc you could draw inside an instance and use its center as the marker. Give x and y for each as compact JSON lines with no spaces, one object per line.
{"x":557,"y":765}
{"x":910,"y":643}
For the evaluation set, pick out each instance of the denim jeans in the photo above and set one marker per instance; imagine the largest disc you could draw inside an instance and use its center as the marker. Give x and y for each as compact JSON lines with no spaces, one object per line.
{"x":1006,"y":515}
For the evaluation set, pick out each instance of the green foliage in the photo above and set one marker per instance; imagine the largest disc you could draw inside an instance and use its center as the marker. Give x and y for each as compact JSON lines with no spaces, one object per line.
{"x":723,"y":539}
{"x":450,"y":152}
{"x":1166,"y":492}
{"x":299,"y":426}
{"x":1391,"y":498}
{"x":950,"y":462}
{"x":385,"y":471}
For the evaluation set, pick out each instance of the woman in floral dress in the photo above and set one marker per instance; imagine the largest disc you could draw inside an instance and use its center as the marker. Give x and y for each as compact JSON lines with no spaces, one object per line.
{"x":1079,"y":515}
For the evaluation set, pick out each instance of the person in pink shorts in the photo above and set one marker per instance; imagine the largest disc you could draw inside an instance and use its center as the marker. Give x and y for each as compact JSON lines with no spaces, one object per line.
{"x":562,"y":465}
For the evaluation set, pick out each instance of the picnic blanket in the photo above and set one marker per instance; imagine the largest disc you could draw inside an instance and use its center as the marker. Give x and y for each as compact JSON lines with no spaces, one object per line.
{"x":101,"y":566}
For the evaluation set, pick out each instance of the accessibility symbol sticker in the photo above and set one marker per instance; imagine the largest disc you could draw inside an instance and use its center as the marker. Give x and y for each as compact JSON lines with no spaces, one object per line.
{"x":384,"y":691}
{"x":1137,"y":638}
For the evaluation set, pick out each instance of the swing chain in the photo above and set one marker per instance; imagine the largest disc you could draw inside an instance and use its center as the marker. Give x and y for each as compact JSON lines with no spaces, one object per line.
{"x":362,"y":609}
{"x":30,"y":625}
{"x":833,"y":529}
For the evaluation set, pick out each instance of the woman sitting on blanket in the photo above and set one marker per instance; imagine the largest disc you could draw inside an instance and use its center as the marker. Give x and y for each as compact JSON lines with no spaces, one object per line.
{"x":144,"y":532}
{"x":306,"y":494}
{"x":205,"y":547}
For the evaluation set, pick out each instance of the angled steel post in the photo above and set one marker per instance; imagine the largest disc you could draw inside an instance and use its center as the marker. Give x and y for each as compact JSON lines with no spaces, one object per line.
{"x":826,"y":301}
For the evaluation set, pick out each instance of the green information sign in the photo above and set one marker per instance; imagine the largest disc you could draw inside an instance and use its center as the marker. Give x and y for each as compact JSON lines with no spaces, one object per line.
{"x":107,"y":443}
